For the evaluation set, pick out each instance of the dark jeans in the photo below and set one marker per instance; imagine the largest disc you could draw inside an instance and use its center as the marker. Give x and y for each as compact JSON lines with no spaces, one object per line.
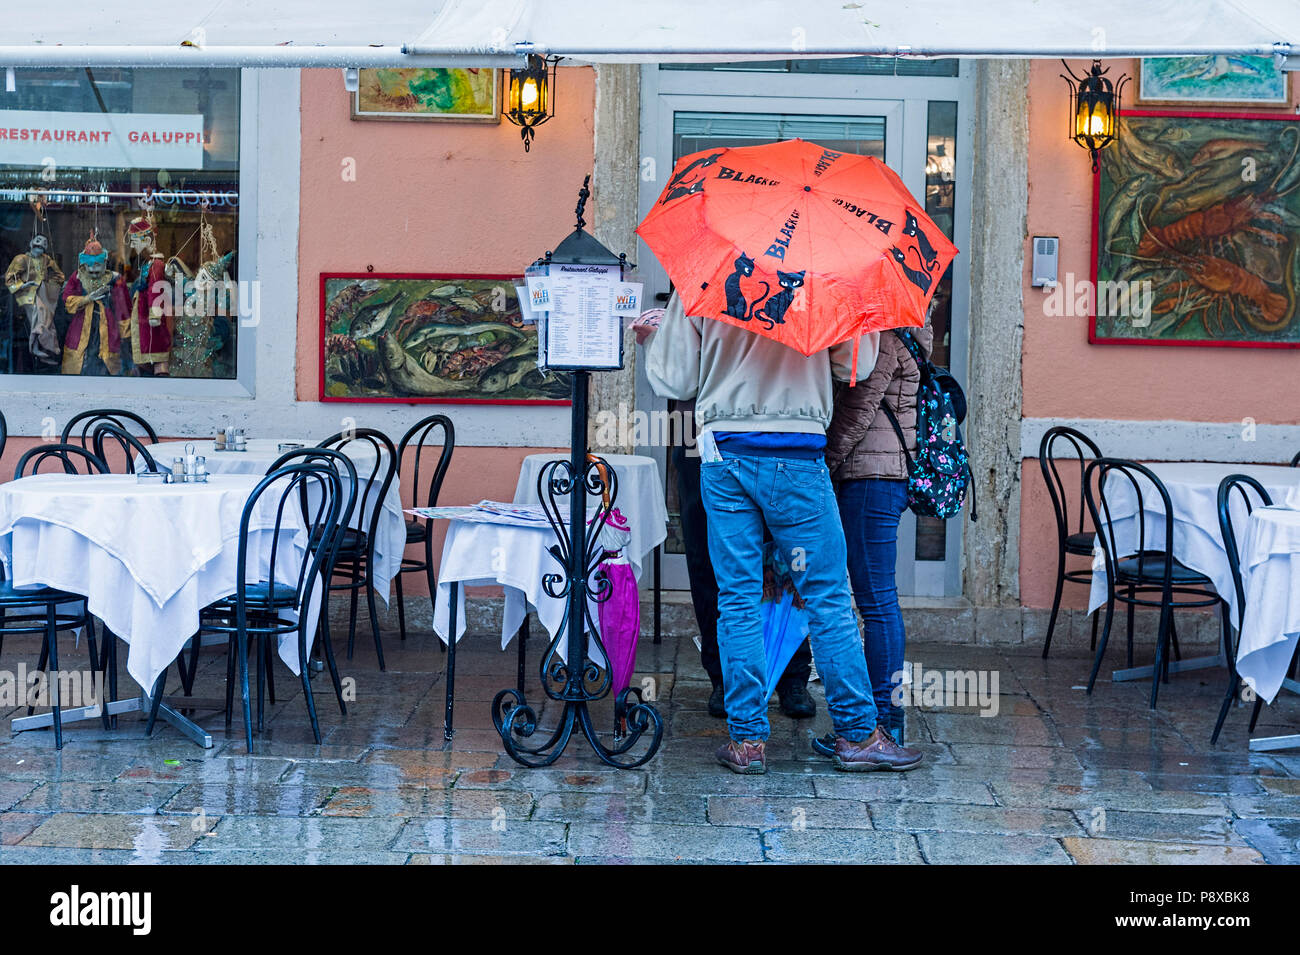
{"x":704,"y":586}
{"x":870,"y":510}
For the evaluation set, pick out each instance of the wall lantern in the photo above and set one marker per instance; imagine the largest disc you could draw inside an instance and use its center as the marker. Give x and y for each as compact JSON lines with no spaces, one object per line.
{"x":1094,"y":124}
{"x":531,"y":99}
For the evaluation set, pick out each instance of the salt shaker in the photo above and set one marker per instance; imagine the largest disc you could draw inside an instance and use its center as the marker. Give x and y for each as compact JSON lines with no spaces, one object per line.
{"x":178,"y":471}
{"x":201,"y":469}
{"x":240,"y":442}
{"x":219,"y":443}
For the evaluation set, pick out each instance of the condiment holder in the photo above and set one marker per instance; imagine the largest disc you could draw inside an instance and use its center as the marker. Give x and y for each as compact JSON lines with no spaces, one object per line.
{"x":230,"y":439}
{"x":151,"y":477}
{"x":190,"y":469}
{"x":284,"y":446}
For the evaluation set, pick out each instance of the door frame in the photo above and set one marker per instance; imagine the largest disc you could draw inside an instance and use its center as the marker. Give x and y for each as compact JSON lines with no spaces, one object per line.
{"x":901,"y":100}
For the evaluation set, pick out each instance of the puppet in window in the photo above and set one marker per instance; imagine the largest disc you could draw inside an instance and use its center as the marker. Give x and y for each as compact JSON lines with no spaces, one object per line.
{"x":150,"y":326}
{"x":97,"y":301}
{"x":35,"y":280}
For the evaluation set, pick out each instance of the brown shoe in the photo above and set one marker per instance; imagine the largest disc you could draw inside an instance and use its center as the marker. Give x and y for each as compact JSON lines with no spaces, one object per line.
{"x":877,"y":752}
{"x":749,"y":757}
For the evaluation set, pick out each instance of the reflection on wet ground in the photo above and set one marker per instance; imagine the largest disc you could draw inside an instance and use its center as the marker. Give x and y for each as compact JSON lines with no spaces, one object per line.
{"x":1055,"y":776}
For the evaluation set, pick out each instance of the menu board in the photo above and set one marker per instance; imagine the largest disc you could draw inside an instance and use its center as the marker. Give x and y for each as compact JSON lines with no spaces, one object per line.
{"x":579,"y":328}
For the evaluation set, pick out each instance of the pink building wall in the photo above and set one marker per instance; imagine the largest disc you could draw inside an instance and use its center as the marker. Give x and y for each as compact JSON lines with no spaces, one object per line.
{"x":1065,"y":377}
{"x":434,"y":197}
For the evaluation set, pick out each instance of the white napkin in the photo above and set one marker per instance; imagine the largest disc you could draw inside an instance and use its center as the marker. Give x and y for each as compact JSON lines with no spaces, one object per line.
{"x":1293,"y":498}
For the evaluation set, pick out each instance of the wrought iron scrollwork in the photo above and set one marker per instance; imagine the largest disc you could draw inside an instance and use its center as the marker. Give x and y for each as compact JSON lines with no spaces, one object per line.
{"x":569,"y":675}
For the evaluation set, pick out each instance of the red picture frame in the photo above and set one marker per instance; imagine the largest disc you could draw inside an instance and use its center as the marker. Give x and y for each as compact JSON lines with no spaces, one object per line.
{"x":466,"y":399}
{"x":1093,"y":337}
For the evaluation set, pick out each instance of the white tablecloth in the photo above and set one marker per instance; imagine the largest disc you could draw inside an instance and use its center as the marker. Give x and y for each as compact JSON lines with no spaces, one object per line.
{"x":514,"y":557}
{"x":148,"y":558}
{"x":1193,"y":490}
{"x":390,"y":534}
{"x":640,"y":497}
{"x":1270,"y":566}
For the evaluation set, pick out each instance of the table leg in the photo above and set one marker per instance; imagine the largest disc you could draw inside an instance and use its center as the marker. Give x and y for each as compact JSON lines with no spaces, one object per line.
{"x":452,"y":603}
{"x":1265,"y":744}
{"x":522,"y":638}
{"x":1176,"y":666}
{"x":142,"y":704}
{"x":658,"y":561}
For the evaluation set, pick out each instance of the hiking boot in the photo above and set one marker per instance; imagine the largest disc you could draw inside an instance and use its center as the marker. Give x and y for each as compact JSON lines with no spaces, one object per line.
{"x":796,"y":702}
{"x":749,"y":757}
{"x":717,"y":705}
{"x":877,"y":752}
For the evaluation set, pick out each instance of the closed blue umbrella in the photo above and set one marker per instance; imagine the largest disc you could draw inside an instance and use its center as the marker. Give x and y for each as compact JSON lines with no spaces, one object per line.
{"x":785,"y":621}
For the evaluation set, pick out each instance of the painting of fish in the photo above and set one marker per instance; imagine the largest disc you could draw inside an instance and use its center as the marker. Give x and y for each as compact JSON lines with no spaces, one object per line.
{"x":1244,"y":80}
{"x":423,"y":338}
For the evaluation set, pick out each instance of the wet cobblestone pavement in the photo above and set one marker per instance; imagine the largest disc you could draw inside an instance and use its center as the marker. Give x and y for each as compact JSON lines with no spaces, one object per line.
{"x":1054,"y":777}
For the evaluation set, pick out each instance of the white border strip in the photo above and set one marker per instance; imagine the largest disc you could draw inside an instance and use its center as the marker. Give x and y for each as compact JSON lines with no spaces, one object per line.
{"x":1235,"y":442}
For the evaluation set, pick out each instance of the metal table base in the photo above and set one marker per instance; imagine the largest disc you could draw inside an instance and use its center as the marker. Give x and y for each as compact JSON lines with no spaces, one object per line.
{"x":1266,"y":744}
{"x":140,"y":704}
{"x":1175,"y":666}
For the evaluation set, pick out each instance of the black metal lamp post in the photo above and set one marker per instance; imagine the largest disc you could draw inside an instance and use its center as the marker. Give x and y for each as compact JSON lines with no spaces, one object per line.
{"x":575,"y":680}
{"x":1094,"y":121}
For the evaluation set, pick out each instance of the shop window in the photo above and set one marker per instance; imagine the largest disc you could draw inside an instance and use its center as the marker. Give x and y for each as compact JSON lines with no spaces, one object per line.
{"x":119,"y":212}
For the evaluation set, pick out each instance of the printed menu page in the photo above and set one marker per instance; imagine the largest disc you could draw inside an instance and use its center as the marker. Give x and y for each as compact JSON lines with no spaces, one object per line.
{"x":582,"y":330}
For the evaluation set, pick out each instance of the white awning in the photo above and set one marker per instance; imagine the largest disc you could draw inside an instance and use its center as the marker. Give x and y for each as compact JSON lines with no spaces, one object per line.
{"x":303,"y":33}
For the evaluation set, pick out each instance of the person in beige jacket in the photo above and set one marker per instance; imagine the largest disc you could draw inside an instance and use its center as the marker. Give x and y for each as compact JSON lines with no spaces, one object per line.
{"x":869,"y":469}
{"x":763,"y":410}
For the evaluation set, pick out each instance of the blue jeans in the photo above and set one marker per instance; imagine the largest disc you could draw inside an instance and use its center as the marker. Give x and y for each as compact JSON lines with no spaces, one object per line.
{"x":870,"y":510}
{"x":796,"y":500}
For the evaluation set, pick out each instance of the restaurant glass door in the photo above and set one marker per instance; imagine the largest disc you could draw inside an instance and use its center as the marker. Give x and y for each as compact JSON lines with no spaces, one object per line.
{"x":685,"y":110}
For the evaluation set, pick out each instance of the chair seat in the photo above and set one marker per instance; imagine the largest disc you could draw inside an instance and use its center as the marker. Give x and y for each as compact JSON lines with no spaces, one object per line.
{"x":352,"y":541}
{"x":1153,"y":571}
{"x":258,"y":596}
{"x":416,"y":532}
{"x":11,"y":597}
{"x":1080,"y":543}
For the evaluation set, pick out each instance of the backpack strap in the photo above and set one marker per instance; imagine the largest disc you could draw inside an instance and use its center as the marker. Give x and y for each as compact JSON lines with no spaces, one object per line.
{"x":898,"y":430}
{"x":913,"y":347}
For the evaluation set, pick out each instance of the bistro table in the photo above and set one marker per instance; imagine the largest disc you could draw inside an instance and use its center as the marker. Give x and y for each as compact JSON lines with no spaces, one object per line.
{"x":147,"y":558}
{"x":1193,"y":491}
{"x":390,"y":534}
{"x":1270,"y":629}
{"x":640,"y":496}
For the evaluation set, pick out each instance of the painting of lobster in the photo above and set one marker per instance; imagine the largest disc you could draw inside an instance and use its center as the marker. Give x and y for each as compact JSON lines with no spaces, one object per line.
{"x":1205,"y":211}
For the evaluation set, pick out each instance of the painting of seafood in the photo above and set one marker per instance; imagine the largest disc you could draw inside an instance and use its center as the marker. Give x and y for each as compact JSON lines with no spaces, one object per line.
{"x":425,"y":338}
{"x":1244,"y":80}
{"x":1196,"y":231}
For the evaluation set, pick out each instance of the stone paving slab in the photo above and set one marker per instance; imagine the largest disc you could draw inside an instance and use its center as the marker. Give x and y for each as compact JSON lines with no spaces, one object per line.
{"x":947,"y":848}
{"x":1118,"y":852}
{"x":1187,"y":828}
{"x":619,"y":808}
{"x":315,"y":834}
{"x":947,"y":817}
{"x":857,"y":846}
{"x":655,"y":841}
{"x":492,"y":837}
{"x":144,"y":834}
{"x":408,"y":801}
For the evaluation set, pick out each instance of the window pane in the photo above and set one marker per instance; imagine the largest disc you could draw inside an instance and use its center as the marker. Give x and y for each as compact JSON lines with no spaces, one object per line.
{"x":130,"y":180}
{"x":693,"y":132}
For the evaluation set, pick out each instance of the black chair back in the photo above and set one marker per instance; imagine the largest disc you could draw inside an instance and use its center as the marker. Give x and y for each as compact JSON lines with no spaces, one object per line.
{"x":69,"y":456}
{"x":4,"y":433}
{"x":82,"y":426}
{"x":347,"y":473}
{"x":109,"y":437}
{"x":1047,"y":460}
{"x":378,"y":477}
{"x":1295,"y":461}
{"x":1238,"y":483}
{"x":417,"y":437}
{"x":292,"y":483}
{"x":1099,"y":495}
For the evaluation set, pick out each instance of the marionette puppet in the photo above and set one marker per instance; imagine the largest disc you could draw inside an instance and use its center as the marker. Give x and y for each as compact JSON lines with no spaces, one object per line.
{"x":35,"y":280}
{"x":149,"y":327}
{"x":99,"y":307}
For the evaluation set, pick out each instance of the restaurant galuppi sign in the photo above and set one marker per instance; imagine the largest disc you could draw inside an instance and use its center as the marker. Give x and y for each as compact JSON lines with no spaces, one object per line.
{"x":101,"y":140}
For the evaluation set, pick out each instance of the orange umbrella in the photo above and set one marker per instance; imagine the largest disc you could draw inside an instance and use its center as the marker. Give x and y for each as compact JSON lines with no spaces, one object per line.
{"x":802,"y":244}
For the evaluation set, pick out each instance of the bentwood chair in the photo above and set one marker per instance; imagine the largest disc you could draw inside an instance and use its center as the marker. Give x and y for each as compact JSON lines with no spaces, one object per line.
{"x":1149,"y":577}
{"x":82,"y":426}
{"x":347,"y":474}
{"x":1071,"y":537}
{"x":356,"y":550}
{"x":1295,"y":461}
{"x":417,"y":531}
{"x":38,"y":611}
{"x":109,"y":437}
{"x":264,"y":607}
{"x":4,"y":433}
{"x":1242,"y":484}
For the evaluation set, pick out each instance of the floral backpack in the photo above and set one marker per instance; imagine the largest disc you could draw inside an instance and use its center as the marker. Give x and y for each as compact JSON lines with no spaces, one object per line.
{"x":940,"y":475}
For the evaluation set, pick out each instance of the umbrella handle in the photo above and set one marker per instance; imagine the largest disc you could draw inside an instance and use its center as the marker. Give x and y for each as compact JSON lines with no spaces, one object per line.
{"x":603,"y":470}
